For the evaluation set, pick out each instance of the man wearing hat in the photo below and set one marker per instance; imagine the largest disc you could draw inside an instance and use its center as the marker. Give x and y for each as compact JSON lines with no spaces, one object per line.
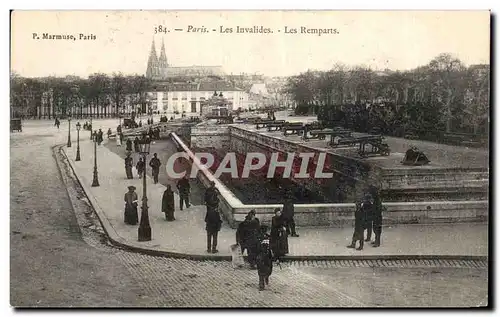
{"x":155,"y":167}
{"x":131,"y":216}
{"x":212,"y":197}
{"x":362,"y":209}
{"x":128,"y":166}
{"x":289,"y":213}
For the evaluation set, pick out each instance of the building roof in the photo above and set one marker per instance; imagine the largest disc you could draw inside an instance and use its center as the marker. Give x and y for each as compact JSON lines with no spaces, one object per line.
{"x":259,"y":89}
{"x":202,"y":86}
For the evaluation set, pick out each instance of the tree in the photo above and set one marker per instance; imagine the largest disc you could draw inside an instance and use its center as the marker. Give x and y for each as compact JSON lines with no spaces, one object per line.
{"x":448,"y":78}
{"x":98,"y":91}
{"x":118,"y":91}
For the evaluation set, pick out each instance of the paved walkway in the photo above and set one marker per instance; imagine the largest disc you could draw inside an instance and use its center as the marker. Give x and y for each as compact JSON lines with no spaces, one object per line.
{"x":187,"y":235}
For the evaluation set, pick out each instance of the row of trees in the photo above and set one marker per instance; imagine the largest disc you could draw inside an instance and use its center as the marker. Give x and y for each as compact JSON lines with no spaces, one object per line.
{"x":445,"y":89}
{"x":94,"y":96}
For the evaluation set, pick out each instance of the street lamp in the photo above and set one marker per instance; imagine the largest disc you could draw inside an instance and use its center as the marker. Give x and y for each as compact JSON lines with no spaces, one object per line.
{"x":95,"y":181}
{"x":90,"y":129}
{"x":78,"y":127}
{"x":69,"y":131}
{"x":144,"y":227}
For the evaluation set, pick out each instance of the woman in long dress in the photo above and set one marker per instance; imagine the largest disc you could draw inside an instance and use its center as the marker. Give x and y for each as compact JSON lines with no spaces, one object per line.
{"x":131,"y":216}
{"x":167,"y":204}
{"x":279,"y":238}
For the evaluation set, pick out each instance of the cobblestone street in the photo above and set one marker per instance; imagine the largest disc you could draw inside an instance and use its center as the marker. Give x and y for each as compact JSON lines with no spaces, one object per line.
{"x":59,"y":257}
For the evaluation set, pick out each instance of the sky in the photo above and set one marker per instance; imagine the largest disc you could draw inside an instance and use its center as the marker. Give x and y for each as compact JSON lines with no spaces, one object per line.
{"x":397,"y":40}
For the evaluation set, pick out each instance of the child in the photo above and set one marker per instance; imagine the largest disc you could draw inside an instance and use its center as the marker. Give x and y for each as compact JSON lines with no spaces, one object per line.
{"x":264,"y":259}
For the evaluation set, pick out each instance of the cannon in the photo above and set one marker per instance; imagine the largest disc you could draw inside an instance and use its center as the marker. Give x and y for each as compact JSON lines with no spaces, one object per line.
{"x":376,"y":143}
{"x":415,"y":157}
{"x":263,"y":123}
{"x":275,"y":126}
{"x":16,"y":125}
{"x":294,"y":127}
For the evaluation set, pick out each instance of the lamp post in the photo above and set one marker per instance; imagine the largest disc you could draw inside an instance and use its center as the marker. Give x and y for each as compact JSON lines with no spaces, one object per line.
{"x":95,"y":181}
{"x":78,"y":127}
{"x":90,"y":126}
{"x":144,"y":233}
{"x":69,"y":130}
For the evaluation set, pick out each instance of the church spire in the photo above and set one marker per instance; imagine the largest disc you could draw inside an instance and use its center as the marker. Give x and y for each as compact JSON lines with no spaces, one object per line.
{"x":152,"y":70}
{"x":163,"y":56}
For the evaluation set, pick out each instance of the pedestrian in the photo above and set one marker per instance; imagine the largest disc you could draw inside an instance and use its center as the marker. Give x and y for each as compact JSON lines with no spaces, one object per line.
{"x":155,"y":166}
{"x":264,"y":263}
{"x":100,"y":137}
{"x":360,"y":223}
{"x":184,"y":189}
{"x":279,"y":238}
{"x":213,"y":224}
{"x":119,"y":129}
{"x":377,"y":216}
{"x":158,"y":133}
{"x":167,"y":204}
{"x":129,"y":162}
{"x":140,"y":167}
{"x":129,"y":145}
{"x":94,"y":136}
{"x":212,"y":197}
{"x":247,"y":236}
{"x":140,"y":123}
{"x":109,"y":133}
{"x":131,"y":216}
{"x":118,"y":139}
{"x":57,"y":123}
{"x":136,"y":145}
{"x":368,"y":209}
{"x":84,"y":125}
{"x":150,"y":133}
{"x":121,"y":137}
{"x":288,"y":214}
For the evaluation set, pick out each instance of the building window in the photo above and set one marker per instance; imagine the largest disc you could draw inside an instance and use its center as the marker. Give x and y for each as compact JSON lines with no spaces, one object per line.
{"x":202,"y":98}
{"x":193,"y":99}
{"x":175,"y":98}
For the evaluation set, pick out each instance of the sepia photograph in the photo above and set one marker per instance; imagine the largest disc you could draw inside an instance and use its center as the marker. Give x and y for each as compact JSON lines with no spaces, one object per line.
{"x":249,"y":159}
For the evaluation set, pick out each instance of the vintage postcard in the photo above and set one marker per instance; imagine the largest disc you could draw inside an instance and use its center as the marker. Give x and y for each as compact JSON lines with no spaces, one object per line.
{"x":249,"y":158}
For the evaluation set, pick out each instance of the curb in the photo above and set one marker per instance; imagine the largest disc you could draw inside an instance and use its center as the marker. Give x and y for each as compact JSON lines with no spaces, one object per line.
{"x":121,"y":243}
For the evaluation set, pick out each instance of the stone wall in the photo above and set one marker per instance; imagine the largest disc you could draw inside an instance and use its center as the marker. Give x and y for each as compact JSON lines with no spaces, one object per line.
{"x":210,"y":136}
{"x":339,"y":215}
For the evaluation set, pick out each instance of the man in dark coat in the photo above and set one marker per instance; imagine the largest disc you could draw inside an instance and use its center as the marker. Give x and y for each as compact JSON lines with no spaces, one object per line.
{"x":129,"y":162}
{"x":184,"y":189}
{"x":377,"y":216}
{"x":247,"y":236}
{"x":212,"y":197}
{"x":360,"y":223}
{"x":129,"y":145}
{"x":167,"y":204}
{"x":288,"y":215}
{"x":140,"y":166}
{"x":136,"y":145}
{"x":100,"y":137}
{"x":213,"y":224}
{"x":155,"y":166}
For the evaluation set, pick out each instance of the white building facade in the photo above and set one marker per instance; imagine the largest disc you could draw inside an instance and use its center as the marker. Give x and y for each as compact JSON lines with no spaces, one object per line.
{"x":187,"y":98}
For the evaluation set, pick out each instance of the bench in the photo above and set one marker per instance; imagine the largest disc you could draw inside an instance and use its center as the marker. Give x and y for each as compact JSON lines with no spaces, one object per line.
{"x":294,"y":127}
